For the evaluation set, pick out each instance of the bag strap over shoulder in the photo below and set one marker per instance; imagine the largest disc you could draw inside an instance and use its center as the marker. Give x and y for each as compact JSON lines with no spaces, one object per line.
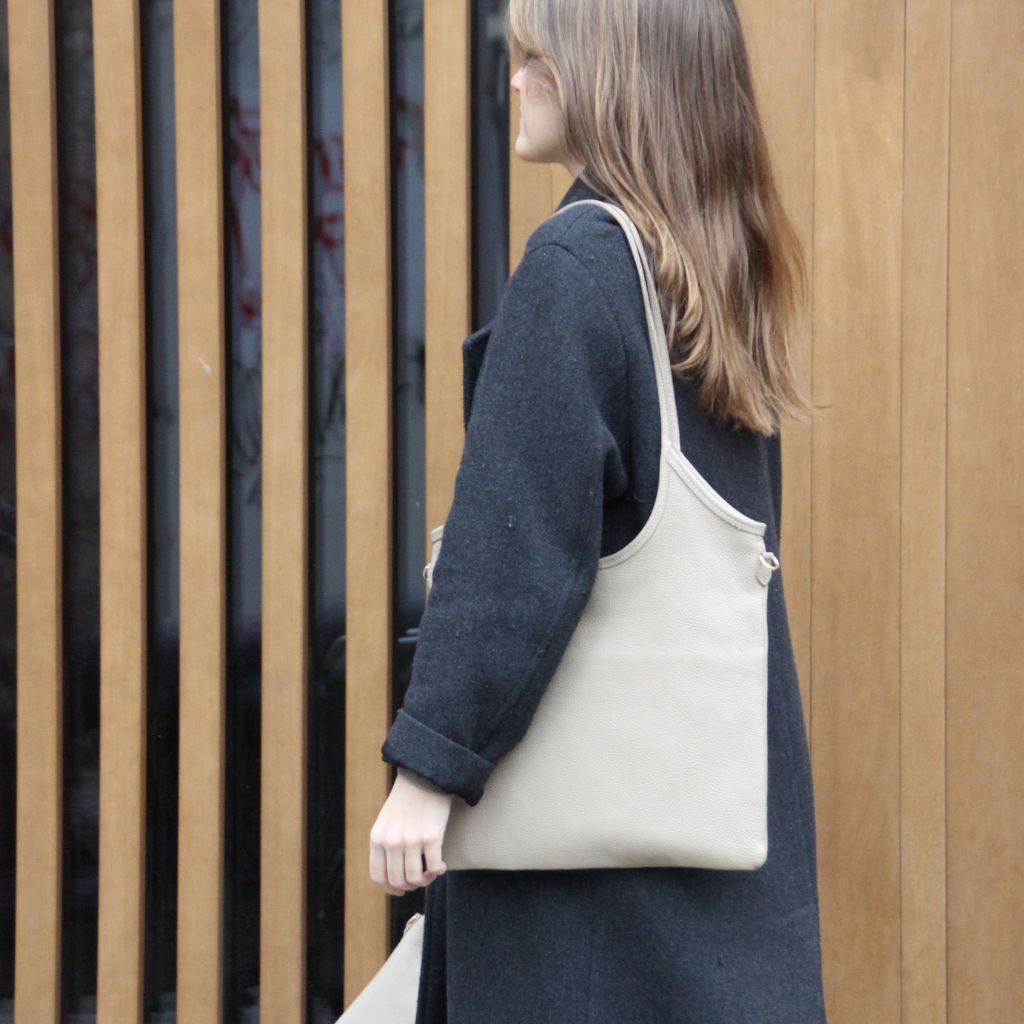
{"x":655,"y":327}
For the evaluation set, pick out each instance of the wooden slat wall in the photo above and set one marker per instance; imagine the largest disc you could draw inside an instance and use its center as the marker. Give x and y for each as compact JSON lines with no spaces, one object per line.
{"x":880,"y":575}
{"x":895,"y":135}
{"x":40,"y":663}
{"x":203,"y":511}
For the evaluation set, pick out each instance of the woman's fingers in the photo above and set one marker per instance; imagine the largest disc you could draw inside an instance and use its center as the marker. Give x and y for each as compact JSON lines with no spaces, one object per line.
{"x":379,"y":868}
{"x":395,"y":853}
{"x":416,"y":853}
{"x":432,"y":854}
{"x":414,"y":865}
{"x":399,"y":867}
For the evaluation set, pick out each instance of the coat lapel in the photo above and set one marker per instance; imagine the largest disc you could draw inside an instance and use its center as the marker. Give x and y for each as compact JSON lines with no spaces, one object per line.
{"x":473,"y":349}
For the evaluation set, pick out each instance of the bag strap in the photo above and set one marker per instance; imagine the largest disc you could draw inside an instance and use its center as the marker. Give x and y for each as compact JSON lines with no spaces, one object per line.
{"x":655,"y":327}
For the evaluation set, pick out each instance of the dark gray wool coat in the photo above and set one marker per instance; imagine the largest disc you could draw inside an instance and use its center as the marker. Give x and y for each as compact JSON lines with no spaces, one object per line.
{"x":560,"y":466}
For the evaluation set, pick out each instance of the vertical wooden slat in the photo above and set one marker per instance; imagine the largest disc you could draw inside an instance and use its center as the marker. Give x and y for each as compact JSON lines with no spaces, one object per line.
{"x":923,"y":518}
{"x":856,"y":523}
{"x":985,"y":563}
{"x":285,"y":507}
{"x":40,"y":665}
{"x":448,"y":242}
{"x":119,"y":212}
{"x":202,"y":504}
{"x":368,"y":452}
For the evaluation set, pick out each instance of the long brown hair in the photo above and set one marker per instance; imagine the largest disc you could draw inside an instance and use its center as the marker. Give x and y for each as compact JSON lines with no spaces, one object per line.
{"x":658,"y":104}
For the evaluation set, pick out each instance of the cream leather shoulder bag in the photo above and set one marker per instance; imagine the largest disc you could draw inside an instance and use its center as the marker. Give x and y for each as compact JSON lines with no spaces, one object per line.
{"x":393,"y":992}
{"x":649,"y":747}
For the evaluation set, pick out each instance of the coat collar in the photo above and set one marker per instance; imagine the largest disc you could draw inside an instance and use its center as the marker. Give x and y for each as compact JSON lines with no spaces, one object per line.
{"x":579,"y":189}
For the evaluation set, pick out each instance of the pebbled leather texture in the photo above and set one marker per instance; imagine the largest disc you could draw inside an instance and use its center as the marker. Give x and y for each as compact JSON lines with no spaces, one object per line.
{"x":649,"y":746}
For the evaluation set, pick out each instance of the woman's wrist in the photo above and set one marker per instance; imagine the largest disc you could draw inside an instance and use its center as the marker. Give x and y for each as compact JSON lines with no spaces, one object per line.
{"x":419,"y":780}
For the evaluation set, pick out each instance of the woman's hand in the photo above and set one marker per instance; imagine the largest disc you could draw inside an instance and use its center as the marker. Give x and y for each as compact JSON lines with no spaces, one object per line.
{"x":409,"y":828}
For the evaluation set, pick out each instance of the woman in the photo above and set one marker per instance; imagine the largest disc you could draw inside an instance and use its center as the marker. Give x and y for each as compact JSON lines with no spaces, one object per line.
{"x":650,"y":105}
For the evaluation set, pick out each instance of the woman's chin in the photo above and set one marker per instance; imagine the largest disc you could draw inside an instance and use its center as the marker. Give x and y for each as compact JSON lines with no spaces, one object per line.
{"x":523,"y":149}
{"x":529,"y":153}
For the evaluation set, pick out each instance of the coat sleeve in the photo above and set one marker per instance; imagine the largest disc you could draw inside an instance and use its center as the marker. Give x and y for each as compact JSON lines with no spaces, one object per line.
{"x":543,"y":451}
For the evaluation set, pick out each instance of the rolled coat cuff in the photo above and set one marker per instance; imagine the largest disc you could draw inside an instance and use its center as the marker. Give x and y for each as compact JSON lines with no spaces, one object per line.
{"x":453,"y":767}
